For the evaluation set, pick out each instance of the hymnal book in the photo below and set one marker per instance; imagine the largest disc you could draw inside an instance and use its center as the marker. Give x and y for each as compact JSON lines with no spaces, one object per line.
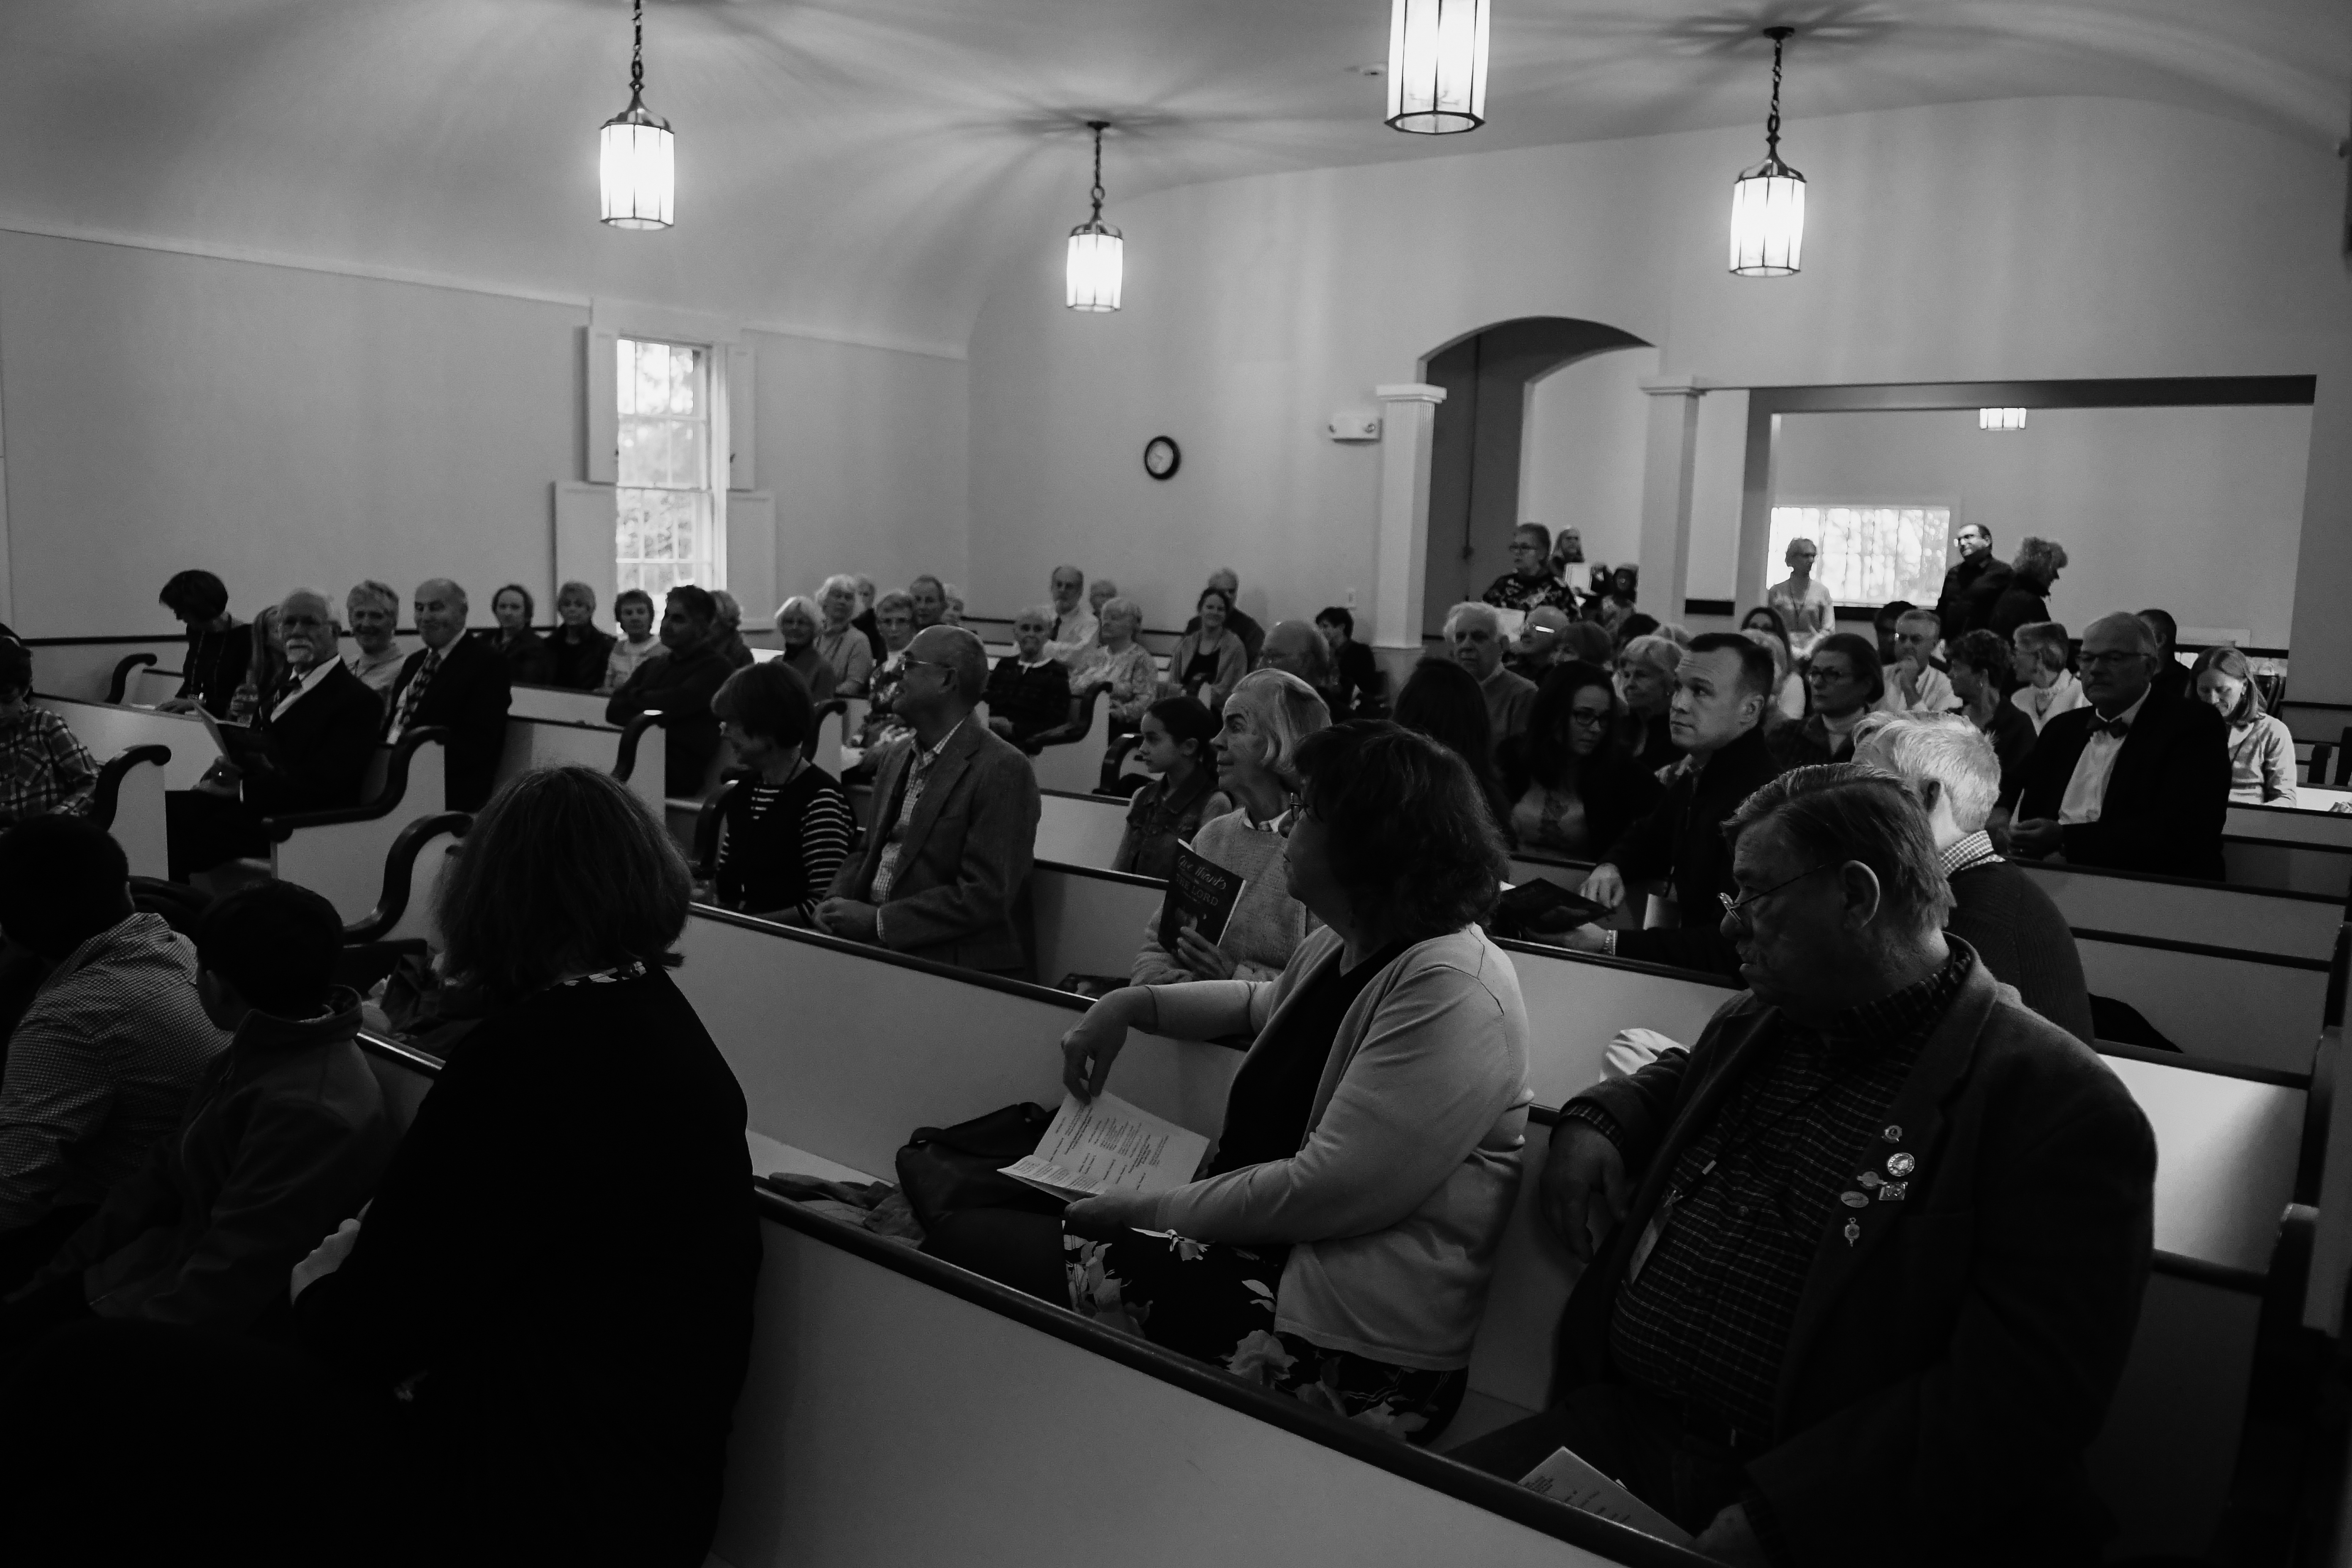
{"x":238,"y":744}
{"x":1105,"y":1145}
{"x":1565,"y":1478}
{"x":1200,"y":894}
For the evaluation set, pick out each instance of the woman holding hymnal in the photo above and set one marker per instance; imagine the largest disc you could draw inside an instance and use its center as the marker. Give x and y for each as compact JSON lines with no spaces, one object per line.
{"x":1338,"y":1242}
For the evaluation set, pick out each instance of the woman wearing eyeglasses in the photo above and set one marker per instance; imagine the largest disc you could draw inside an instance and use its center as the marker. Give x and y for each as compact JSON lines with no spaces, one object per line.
{"x":1572,"y":785}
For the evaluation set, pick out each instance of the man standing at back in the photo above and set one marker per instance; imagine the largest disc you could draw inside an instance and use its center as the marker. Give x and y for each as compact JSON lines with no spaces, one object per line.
{"x":102,"y":1062}
{"x":2135,"y":781}
{"x":458,"y":683}
{"x":1722,"y":688}
{"x":955,"y":824}
{"x":1975,"y":578}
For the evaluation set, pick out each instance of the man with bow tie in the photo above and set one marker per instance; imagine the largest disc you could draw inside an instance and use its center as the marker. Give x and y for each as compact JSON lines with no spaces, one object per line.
{"x":2138,"y":781}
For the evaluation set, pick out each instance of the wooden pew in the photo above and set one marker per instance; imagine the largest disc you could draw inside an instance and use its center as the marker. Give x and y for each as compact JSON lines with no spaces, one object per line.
{"x":109,"y":729}
{"x":2133,"y":904}
{"x":561,"y":703}
{"x":632,"y":753}
{"x":128,"y":802}
{"x":340,"y":853}
{"x":1073,"y":766}
{"x":1079,"y":829}
{"x":413,"y":868}
{"x":2284,"y":846}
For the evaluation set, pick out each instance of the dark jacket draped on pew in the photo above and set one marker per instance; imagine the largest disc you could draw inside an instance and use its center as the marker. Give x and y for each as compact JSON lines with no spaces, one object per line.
{"x":1948,"y":1368}
{"x":1682,"y":837}
{"x":557,"y":1273}
{"x":468,"y":696}
{"x":2168,"y":796}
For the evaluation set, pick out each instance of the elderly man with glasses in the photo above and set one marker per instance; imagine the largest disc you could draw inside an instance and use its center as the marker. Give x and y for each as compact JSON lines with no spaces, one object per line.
{"x":1862,"y":1266}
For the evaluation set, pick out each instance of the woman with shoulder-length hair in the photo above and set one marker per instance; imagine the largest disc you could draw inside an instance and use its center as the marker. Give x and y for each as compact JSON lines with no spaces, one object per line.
{"x":570,"y":1364}
{"x":1268,"y":717}
{"x":1338,"y":1242}
{"x":2026,"y":598}
{"x":578,"y":654}
{"x":2261,"y":748}
{"x":1209,"y":663}
{"x":2045,"y":687}
{"x":1572,"y":785}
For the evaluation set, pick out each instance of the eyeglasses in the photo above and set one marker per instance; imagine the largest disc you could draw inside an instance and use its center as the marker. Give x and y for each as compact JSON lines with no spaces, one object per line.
{"x":924,"y":664}
{"x":1594,"y":717}
{"x":1739,"y":906}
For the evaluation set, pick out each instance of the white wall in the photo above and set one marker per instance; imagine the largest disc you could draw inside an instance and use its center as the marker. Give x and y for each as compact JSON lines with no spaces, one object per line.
{"x":2033,"y":239}
{"x":281,"y":426}
{"x":1581,"y":457}
{"x":2197,"y":510}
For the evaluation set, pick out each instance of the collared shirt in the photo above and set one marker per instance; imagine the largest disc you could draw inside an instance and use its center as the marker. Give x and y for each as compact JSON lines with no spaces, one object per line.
{"x":2044,"y":703}
{"x":413,"y":697}
{"x":1707,"y":1317}
{"x":44,"y":768}
{"x":1961,"y":854}
{"x":380,"y":671}
{"x":2087,"y":791}
{"x":100,"y":1065}
{"x":1074,"y":633}
{"x":886,"y":869}
{"x":1935,"y":691}
{"x":1131,"y":673}
{"x":624,"y":658}
{"x":301,"y":688}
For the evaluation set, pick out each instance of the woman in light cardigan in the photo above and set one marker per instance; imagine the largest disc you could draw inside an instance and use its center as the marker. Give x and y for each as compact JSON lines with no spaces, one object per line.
{"x":1338,"y":1245}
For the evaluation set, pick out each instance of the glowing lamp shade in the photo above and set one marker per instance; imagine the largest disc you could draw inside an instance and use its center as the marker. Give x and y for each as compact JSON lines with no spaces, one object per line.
{"x":638,"y":163}
{"x":1437,"y":66}
{"x":1097,"y":267}
{"x":2000,"y":418}
{"x":1768,"y":221}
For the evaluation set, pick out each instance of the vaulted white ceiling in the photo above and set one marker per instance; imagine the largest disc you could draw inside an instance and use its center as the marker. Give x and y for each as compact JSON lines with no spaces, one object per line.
{"x":863,"y":166}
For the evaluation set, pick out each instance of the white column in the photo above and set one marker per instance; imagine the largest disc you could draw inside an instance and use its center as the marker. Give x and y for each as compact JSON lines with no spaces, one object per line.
{"x":1408,"y":419}
{"x":1670,"y":456}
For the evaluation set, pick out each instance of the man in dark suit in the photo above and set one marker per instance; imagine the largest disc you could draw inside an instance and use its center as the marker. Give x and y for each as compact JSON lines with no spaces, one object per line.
{"x":2135,"y":781}
{"x":1721,"y":689}
{"x":1880,"y":1237}
{"x":308,"y":750}
{"x":955,"y":824}
{"x":458,"y":682}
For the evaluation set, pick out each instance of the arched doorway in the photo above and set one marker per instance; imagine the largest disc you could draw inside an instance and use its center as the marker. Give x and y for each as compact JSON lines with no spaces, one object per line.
{"x":1478,"y":443}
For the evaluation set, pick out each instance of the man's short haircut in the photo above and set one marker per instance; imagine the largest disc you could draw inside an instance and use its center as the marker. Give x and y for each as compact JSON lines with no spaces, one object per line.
{"x":1979,"y":527}
{"x":969,"y":655}
{"x":696,"y":602}
{"x":2046,"y":640}
{"x":2166,"y":629}
{"x":1073,"y":571}
{"x":455,"y":589}
{"x":1663,"y":654}
{"x":1980,"y":650}
{"x":1755,"y":663}
{"x":627,"y":596}
{"x":276,"y":943}
{"x":380,"y":594}
{"x":769,"y":700}
{"x":1317,"y":652}
{"x":1843,"y":812}
{"x":915,"y":583}
{"x":530,"y":605}
{"x":194,"y":595}
{"x":2143,"y":634}
{"x":1861,"y":653}
{"x":895,"y":599}
{"x":1338,"y":616}
{"x":1185,"y":718}
{"x":1919,"y":617}
{"x":565,"y":872}
{"x":1285,"y":711}
{"x":63,"y":879}
{"x":1225,"y":577}
{"x":1944,"y":747}
{"x":1536,"y":530}
{"x":1412,"y":842}
{"x":15,"y":667}
{"x":1892,"y":612}
{"x":1471,"y":612}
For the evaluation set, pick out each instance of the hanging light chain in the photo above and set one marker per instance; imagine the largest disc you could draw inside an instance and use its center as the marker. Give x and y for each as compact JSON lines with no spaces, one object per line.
{"x":1780,"y":37}
{"x":1097,"y":127}
{"x":637,"y":55}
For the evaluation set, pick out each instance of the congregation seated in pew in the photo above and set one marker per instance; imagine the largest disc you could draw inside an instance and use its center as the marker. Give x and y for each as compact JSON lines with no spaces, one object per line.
{"x":1211,"y":657}
{"x":1572,"y":787}
{"x":510,"y":634}
{"x":308,"y":748}
{"x":679,"y":682}
{"x":1862,"y":1266}
{"x":839,"y":641}
{"x":372,"y":614}
{"x":894,"y":619}
{"x":1369,"y":1154}
{"x":1644,"y":668}
{"x":102,"y":1061}
{"x":2039,"y":660}
{"x":633,"y":612}
{"x":796,"y":623}
{"x":1843,"y":681}
{"x":1269,"y":717}
{"x":578,"y":653}
{"x":1174,"y":743}
{"x":787,"y":826}
{"x":2261,"y":748}
{"x":954,"y":827}
{"x":44,"y":768}
{"x":1474,"y":632}
{"x":220,"y":648}
{"x":570,"y":1366}
{"x":456,"y":683}
{"x":1976,"y":661}
{"x":1117,"y":662}
{"x":1028,"y":693}
{"x":286,"y":1133}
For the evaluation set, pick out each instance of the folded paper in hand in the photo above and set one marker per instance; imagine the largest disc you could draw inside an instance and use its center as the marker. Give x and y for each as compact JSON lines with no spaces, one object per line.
{"x":1109,"y":1146}
{"x":1565,"y":1478}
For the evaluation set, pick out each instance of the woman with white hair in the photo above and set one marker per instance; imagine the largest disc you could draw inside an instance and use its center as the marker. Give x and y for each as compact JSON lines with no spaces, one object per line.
{"x":1120,"y":664}
{"x":1266,"y":720}
{"x":796,"y":624}
{"x":1997,"y":909}
{"x":1645,"y":680}
{"x":839,"y":641}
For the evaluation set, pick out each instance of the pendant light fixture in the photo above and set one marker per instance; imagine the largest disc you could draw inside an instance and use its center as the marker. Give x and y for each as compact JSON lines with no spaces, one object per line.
{"x":638,"y":154}
{"x":1768,"y":202}
{"x":2000,"y":418}
{"x":1097,"y":258}
{"x":1437,"y":66}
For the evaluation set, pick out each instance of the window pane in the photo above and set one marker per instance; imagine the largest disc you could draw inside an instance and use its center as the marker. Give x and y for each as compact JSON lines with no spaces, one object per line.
{"x":1869,"y":553}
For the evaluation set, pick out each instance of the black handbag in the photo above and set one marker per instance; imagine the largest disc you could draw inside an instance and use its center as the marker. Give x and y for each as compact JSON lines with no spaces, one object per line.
{"x":948,"y":1170}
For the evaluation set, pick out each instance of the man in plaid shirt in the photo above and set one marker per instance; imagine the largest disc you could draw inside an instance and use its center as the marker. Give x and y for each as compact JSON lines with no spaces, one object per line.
{"x":43,"y":768}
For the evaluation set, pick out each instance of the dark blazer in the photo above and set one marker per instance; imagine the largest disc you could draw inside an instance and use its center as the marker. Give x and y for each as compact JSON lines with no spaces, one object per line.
{"x":2016,"y":929}
{"x":1947,"y":1369}
{"x":529,"y":661}
{"x":315,"y":757}
{"x":1979,"y":592}
{"x":965,"y":857}
{"x":1682,"y":838}
{"x":470,"y":696}
{"x":2167,"y":799}
{"x":2020,"y":603}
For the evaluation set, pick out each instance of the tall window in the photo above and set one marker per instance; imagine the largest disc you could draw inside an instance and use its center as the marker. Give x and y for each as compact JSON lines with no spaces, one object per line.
{"x":668,"y":532}
{"x":1869,"y":554}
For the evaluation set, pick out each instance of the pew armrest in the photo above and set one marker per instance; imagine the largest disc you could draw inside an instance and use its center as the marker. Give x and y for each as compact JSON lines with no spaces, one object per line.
{"x":625,"y":764}
{"x":108,"y":792}
{"x":707,"y":822}
{"x":399,"y":868}
{"x":120,"y":681}
{"x":387,"y":799}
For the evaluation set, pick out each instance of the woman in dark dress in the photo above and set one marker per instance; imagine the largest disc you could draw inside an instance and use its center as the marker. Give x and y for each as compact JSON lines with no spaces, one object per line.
{"x":787,"y":825}
{"x":577,"y":652}
{"x":541,"y":1320}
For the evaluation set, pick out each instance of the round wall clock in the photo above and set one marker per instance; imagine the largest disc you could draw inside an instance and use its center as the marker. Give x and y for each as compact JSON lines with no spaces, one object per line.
{"x":1160,"y":456}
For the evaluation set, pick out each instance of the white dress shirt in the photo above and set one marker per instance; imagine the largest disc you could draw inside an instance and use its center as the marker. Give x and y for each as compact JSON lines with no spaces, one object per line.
{"x":1935,"y":691}
{"x":2086,"y":792}
{"x":1074,"y":635}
